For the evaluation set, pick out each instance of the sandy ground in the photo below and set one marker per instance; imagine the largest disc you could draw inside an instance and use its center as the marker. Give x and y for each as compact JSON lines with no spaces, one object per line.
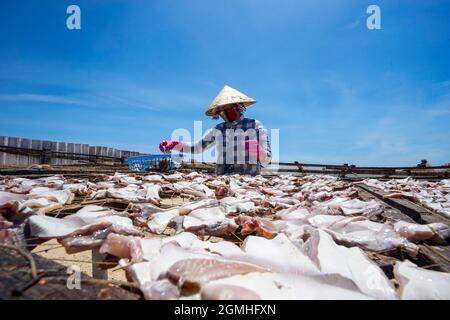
{"x":52,"y":250}
{"x":172,"y":202}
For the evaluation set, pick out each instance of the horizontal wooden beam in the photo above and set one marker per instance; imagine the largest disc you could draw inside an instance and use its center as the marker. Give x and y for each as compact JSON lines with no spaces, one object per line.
{"x":415,"y":211}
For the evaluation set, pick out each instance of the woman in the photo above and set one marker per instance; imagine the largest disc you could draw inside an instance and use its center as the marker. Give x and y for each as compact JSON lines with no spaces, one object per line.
{"x":242,"y":143}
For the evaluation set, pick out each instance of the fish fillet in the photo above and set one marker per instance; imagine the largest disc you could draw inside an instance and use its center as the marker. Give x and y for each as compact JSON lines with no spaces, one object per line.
{"x":420,"y":284}
{"x":421,"y":232}
{"x":276,"y":286}
{"x":350,"y":263}
{"x":227,"y":292}
{"x":191,"y":274}
{"x":278,"y":254}
{"x":60,"y":196}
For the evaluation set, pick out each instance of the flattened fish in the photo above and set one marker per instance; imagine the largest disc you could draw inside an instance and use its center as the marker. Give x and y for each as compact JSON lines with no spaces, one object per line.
{"x":227,"y":292}
{"x":420,"y":284}
{"x":276,"y":286}
{"x":350,"y":263}
{"x":190,"y":274}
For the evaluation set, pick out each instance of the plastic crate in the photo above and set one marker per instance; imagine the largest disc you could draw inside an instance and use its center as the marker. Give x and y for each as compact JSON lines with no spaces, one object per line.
{"x":154,"y":162}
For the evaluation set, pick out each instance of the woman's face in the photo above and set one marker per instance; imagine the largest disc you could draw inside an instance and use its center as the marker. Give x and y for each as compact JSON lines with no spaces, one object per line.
{"x":229,"y":114}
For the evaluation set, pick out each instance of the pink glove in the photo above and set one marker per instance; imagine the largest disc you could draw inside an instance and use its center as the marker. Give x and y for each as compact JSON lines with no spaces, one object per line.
{"x":255,"y":150}
{"x":168,"y":145}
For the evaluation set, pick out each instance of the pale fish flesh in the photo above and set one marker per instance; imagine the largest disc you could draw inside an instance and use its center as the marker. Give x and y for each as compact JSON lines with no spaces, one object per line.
{"x":276,"y":286}
{"x":420,"y":284}
{"x":350,"y":263}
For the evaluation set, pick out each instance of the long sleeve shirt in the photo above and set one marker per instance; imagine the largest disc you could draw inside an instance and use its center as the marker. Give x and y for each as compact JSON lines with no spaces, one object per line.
{"x":229,"y":138}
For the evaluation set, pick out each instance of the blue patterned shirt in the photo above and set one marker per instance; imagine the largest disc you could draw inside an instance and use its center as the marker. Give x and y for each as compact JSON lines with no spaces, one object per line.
{"x":229,"y":138}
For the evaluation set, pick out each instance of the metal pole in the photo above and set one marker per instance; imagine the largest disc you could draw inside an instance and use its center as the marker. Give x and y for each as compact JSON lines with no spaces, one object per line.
{"x":97,"y":272}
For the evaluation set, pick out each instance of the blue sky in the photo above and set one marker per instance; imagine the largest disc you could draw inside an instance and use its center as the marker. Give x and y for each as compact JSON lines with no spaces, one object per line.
{"x":337,"y":91}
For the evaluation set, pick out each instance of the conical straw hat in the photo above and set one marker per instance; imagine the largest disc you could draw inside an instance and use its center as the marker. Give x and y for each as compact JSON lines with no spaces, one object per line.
{"x":228,"y":96}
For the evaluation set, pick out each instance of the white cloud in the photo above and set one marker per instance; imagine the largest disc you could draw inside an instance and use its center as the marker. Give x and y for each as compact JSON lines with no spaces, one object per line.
{"x":31,"y":97}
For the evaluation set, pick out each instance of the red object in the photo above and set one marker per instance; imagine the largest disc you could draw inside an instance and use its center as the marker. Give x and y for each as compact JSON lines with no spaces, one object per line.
{"x":168,"y":145}
{"x":254,"y":149}
{"x":231,"y":114}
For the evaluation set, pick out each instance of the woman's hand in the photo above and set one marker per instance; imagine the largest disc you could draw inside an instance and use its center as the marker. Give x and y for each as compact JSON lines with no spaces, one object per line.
{"x":255,"y":150}
{"x":169,"y":145}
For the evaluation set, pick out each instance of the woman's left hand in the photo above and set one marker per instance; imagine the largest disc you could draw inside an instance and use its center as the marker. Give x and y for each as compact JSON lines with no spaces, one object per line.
{"x":255,"y":150}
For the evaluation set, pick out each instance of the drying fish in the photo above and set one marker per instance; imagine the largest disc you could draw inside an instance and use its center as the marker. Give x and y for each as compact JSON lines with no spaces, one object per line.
{"x":235,"y":205}
{"x":437,"y":232}
{"x":152,"y":193}
{"x":141,"y":213}
{"x":278,"y":254}
{"x":196,"y":190}
{"x":159,"y":255}
{"x":160,"y":290}
{"x":205,"y":214}
{"x":259,"y":226}
{"x":320,"y":196}
{"x":295,"y":230}
{"x":358,"y":207}
{"x":125,"y":180}
{"x":191,"y":274}
{"x":60,"y":196}
{"x":276,"y":286}
{"x":200,"y":187}
{"x":47,"y":227}
{"x":191,"y":206}
{"x":303,"y":235}
{"x":13,"y":219}
{"x":80,"y":189}
{"x":433,"y":195}
{"x":87,"y":237}
{"x":37,"y":203}
{"x":208,"y":221}
{"x":344,"y":206}
{"x":42,"y":205}
{"x":273,"y":192}
{"x":173,"y":177}
{"x":6,"y":197}
{"x":298,"y":212}
{"x":160,"y":221}
{"x":138,"y":249}
{"x":420,"y":284}
{"x":81,"y":231}
{"x":147,"y":272}
{"x":350,"y":263}
{"x":360,"y":231}
{"x":218,"y":291}
{"x":123,"y":247}
{"x":104,"y":185}
{"x":155,"y":178}
{"x":131,"y":193}
{"x":15,"y":212}
{"x":220,"y":188}
{"x":283,"y":202}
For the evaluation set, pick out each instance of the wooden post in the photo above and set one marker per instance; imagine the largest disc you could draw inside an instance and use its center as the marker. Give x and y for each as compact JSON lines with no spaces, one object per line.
{"x":97,"y":272}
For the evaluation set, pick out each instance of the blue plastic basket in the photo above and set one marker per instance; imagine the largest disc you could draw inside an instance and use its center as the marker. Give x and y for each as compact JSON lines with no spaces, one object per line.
{"x":152,"y":162}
